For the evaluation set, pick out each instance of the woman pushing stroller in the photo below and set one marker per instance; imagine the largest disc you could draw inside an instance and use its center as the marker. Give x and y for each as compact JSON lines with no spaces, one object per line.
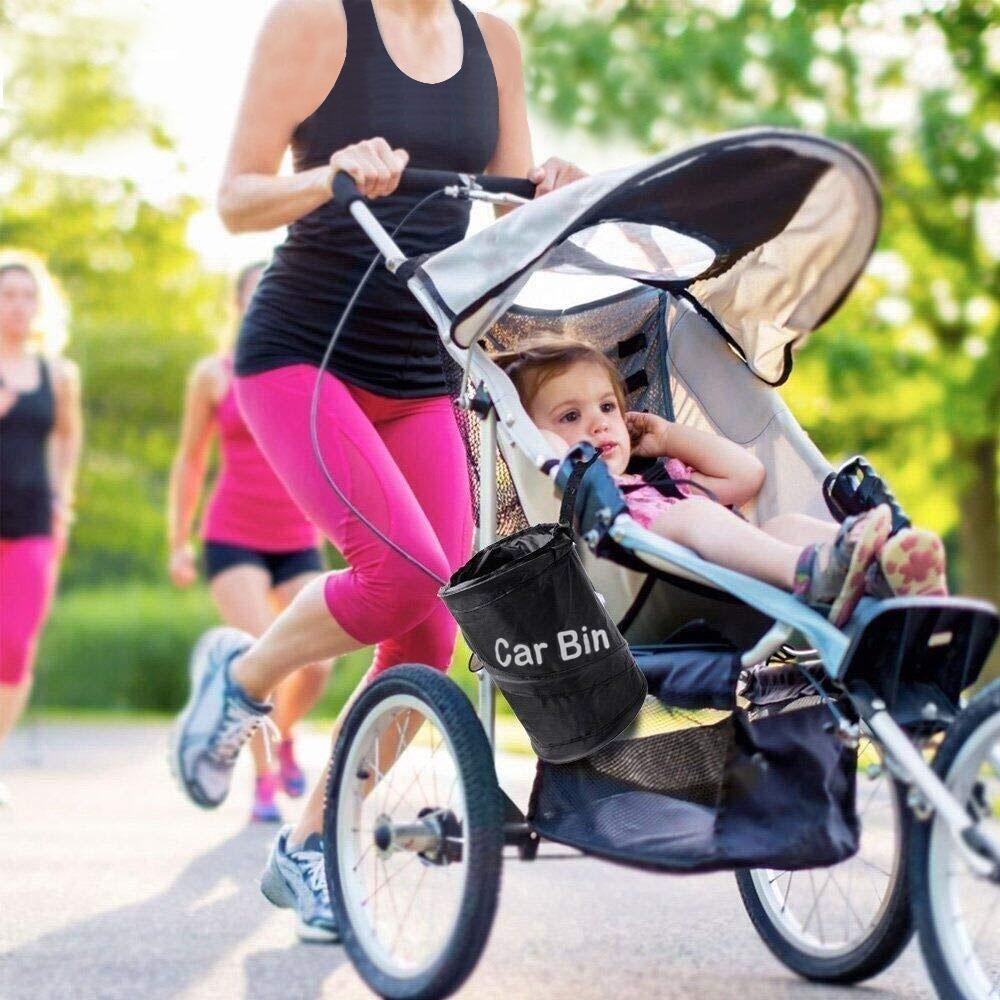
{"x":574,"y":394}
{"x":364,"y":87}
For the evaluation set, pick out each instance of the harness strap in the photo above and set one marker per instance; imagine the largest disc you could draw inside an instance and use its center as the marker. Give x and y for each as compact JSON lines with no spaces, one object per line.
{"x":568,"y":506}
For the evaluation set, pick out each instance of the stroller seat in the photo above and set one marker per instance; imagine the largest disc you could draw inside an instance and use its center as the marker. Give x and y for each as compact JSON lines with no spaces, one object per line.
{"x":675,"y":363}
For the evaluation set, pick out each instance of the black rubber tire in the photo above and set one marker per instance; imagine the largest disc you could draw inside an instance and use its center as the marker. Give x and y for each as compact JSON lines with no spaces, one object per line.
{"x":483,"y":833}
{"x":874,"y":954}
{"x":985,"y":705}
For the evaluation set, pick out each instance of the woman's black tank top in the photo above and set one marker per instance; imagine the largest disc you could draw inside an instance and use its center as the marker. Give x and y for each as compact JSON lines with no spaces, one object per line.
{"x":388,"y":345}
{"x":25,"y":492}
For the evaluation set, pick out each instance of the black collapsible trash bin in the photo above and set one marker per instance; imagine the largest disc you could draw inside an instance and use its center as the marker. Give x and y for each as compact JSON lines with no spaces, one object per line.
{"x":529,"y":612}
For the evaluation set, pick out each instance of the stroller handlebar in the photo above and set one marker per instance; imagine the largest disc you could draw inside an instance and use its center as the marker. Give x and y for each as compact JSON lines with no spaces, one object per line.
{"x":417,"y":181}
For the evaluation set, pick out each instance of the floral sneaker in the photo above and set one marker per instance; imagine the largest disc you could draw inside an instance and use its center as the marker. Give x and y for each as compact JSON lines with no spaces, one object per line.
{"x":913,"y":564}
{"x":835,"y":573}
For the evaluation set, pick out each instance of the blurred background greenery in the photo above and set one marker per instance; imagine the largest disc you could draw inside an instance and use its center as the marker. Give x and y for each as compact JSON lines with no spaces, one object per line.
{"x":908,"y":372}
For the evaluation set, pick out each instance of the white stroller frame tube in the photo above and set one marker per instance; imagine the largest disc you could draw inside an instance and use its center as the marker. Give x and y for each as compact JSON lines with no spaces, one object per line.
{"x":508,"y":416}
{"x":487,"y":535}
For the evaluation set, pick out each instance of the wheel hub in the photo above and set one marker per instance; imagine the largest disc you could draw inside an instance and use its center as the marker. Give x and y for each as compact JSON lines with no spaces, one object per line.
{"x":424,"y":837}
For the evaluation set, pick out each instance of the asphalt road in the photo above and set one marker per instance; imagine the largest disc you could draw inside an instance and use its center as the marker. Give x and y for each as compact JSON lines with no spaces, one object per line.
{"x":112,"y":886}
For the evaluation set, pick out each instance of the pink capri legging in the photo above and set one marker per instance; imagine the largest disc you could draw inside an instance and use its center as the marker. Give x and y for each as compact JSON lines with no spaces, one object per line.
{"x":401,"y":462}
{"x":27,"y":578}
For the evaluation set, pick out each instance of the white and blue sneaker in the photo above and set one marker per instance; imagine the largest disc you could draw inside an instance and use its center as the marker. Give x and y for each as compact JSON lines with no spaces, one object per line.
{"x":217,"y":720}
{"x":297,"y":880}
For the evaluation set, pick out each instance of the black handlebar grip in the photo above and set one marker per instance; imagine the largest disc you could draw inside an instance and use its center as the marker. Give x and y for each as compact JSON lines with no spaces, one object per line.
{"x":418,"y":181}
{"x":345,"y":191}
{"x":519,"y":186}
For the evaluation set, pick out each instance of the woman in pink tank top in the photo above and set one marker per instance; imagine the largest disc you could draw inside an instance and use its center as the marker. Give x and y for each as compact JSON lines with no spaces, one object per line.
{"x":259,"y":549}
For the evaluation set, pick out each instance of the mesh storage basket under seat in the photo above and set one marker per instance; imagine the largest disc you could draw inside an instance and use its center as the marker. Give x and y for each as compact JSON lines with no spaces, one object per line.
{"x":530,"y":614}
{"x":708,"y":790}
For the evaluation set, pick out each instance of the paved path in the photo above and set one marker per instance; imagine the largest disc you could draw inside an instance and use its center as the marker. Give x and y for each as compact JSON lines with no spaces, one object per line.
{"x":112,"y":886}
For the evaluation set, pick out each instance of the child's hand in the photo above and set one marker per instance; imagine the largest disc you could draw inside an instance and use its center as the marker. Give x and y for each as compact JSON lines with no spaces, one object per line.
{"x":648,"y":434}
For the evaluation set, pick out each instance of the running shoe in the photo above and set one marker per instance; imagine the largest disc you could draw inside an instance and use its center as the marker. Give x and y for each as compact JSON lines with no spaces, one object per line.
{"x":217,"y":720}
{"x":913,"y":564}
{"x":293,"y":781}
{"x":297,"y":880}
{"x":264,"y":808}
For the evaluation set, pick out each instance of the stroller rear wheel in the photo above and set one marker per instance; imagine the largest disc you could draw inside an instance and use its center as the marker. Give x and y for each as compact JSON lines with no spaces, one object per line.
{"x":848,"y":922}
{"x":413,"y":828}
{"x":957,"y":910}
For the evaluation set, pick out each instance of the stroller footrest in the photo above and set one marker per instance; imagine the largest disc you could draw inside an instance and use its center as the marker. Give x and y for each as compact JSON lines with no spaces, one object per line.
{"x":907,"y":641}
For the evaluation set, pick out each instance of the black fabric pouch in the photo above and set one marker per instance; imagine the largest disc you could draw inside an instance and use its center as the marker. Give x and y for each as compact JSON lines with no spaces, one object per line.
{"x":531,"y":615}
{"x":775,"y":791}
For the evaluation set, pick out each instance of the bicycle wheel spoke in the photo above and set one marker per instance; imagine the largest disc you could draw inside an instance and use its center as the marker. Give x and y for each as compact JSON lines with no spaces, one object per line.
{"x":409,"y":908}
{"x":847,"y":900}
{"x":390,"y":878}
{"x":392,"y":895}
{"x":362,"y":856}
{"x":814,"y":909}
{"x":788,"y":892}
{"x":874,"y":867}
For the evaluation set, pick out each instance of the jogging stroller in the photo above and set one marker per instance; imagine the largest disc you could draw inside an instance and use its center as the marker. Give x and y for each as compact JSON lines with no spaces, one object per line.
{"x":771,"y":741}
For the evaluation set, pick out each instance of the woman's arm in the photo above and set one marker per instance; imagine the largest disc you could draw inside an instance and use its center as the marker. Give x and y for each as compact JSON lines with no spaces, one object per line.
{"x":512,"y":156}
{"x":187,"y":473}
{"x":65,"y":444}
{"x":297,"y":59}
{"x":720,"y":465}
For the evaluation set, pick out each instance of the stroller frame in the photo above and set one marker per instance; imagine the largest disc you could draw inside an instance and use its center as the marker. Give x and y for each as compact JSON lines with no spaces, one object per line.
{"x":489,"y":393}
{"x":504,"y":415}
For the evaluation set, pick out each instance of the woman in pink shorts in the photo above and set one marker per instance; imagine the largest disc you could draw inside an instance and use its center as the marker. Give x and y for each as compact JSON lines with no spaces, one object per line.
{"x":40,"y":434}
{"x":259,"y":549}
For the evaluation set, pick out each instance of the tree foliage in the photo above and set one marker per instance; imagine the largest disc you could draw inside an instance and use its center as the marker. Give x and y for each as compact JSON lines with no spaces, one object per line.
{"x":142,"y":308}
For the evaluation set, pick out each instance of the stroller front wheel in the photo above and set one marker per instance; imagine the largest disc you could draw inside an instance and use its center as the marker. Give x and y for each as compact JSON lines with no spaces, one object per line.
{"x":845,"y":923}
{"x":413,"y":830}
{"x":957,"y":911}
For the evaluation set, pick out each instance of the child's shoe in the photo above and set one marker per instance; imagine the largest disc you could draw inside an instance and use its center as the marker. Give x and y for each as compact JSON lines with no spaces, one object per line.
{"x":876,"y":585}
{"x":264,"y":809}
{"x":840,"y":580}
{"x":913,"y":564}
{"x":293,"y":781}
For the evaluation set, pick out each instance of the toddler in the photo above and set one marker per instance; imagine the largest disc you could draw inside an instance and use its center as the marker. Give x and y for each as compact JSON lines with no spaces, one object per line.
{"x":573,"y":393}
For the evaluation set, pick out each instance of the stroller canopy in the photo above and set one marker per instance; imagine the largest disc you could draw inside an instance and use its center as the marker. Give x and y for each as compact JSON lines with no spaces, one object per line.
{"x":766,"y":229}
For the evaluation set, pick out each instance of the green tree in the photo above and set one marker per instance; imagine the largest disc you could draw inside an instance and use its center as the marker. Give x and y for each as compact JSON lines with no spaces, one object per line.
{"x":142,"y":308}
{"x":909,"y":371}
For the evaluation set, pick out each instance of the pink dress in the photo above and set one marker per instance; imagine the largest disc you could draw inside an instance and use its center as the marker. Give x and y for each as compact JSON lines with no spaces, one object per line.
{"x":249,"y":506}
{"x":646,"y":503}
